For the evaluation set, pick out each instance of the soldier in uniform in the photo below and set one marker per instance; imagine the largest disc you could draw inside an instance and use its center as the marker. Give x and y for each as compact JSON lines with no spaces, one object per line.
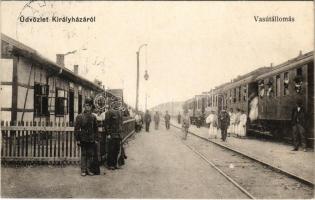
{"x":113,"y":126}
{"x":224,"y":122}
{"x":156,"y":120}
{"x":298,"y":124}
{"x":147,"y":120}
{"x":86,"y":136}
{"x":167,"y":119}
{"x":185,"y":124}
{"x":179,"y":117}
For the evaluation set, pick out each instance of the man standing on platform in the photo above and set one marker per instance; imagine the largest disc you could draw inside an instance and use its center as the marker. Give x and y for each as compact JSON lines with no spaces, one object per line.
{"x":185,"y":124}
{"x":138,"y":122}
{"x":85,"y":130}
{"x":113,"y":126}
{"x":298,"y":123}
{"x":147,"y":120}
{"x":167,"y":119}
{"x":156,"y":120}
{"x":224,"y":122}
{"x":179,"y":118}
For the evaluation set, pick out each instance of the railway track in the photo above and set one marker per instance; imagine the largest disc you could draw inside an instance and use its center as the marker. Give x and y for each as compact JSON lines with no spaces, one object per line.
{"x":285,"y":184}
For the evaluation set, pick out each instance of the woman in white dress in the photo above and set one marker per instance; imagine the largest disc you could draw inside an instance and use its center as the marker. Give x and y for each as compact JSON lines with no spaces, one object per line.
{"x":253,"y":113}
{"x":242,"y":124}
{"x":237,"y":122}
{"x":212,"y":120}
{"x":231,"y":128}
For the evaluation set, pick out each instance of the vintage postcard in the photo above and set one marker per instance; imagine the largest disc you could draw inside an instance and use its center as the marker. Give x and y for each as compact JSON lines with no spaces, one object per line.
{"x":157,"y":99}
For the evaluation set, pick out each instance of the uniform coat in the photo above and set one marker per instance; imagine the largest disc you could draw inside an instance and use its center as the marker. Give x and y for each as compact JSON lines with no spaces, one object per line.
{"x":298,"y":124}
{"x":113,"y":126}
{"x":156,"y":120}
{"x":167,"y":119}
{"x":147,"y":121}
{"x":224,"y":122}
{"x":85,"y":131}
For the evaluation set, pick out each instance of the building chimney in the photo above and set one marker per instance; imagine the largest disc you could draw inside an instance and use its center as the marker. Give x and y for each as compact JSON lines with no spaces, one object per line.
{"x":76,"y":69}
{"x":60,"y":60}
{"x":300,"y":53}
{"x":271,"y":64}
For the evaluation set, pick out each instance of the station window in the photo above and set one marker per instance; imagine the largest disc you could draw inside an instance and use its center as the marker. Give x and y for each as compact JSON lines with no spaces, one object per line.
{"x":278,"y":86}
{"x":286,"y":81}
{"x":240,"y":94}
{"x":79,"y":103}
{"x":41,"y":100}
{"x":61,"y":102}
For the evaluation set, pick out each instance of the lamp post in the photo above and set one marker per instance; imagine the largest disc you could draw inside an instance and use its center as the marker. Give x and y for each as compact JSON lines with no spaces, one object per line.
{"x":137,"y":93}
{"x":146,"y":77}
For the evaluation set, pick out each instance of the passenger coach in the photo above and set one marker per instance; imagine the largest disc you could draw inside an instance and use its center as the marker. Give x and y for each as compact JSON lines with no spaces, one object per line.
{"x":279,"y":90}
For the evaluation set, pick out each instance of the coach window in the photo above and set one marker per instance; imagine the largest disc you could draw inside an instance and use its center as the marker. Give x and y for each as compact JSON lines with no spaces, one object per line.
{"x":41,"y":100}
{"x":278,"y":86}
{"x":244,"y":92}
{"x":286,"y":83}
{"x":61,"y":102}
{"x":299,"y":72}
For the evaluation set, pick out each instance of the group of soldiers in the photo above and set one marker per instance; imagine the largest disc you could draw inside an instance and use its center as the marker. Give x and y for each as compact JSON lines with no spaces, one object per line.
{"x":146,"y":120}
{"x":91,"y":140}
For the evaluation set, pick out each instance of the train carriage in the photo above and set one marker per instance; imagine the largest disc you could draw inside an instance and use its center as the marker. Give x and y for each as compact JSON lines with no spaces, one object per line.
{"x":196,"y":107}
{"x":239,"y":92}
{"x":280,"y":89}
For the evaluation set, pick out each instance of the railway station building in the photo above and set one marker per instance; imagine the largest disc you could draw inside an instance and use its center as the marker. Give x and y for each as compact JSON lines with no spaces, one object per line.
{"x":34,"y":88}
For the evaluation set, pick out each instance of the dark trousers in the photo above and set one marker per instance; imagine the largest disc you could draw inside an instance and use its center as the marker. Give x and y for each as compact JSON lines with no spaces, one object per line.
{"x":298,"y":131}
{"x":223,"y":133}
{"x":113,"y":151}
{"x":167,"y":124}
{"x":156,"y":125}
{"x":147,"y":126}
{"x":87,"y":156}
{"x":137,"y":127}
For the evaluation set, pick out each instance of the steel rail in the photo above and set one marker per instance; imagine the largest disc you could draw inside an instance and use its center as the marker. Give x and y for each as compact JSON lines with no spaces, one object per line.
{"x":221,"y":172}
{"x":289,"y":174}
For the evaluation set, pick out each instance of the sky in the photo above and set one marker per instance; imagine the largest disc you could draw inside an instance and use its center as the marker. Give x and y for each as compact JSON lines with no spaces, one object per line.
{"x":192,"y":46}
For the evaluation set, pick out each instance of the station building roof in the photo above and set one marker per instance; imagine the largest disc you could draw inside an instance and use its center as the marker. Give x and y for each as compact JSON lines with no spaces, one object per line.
{"x":21,"y":49}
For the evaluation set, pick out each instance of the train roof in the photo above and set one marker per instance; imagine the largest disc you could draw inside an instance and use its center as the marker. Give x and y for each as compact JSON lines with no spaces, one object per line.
{"x":246,"y":78}
{"x":292,"y":63}
{"x":190,"y":100}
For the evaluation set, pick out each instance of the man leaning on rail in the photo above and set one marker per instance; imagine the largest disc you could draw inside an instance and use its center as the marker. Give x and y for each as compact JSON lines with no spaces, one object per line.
{"x":86,"y":136}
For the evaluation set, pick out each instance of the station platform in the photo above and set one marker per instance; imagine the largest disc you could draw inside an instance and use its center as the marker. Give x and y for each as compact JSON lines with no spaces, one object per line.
{"x":276,"y":154}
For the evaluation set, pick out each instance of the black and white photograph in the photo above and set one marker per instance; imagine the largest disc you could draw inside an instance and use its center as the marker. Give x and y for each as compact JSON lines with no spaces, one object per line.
{"x":157,"y":99}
